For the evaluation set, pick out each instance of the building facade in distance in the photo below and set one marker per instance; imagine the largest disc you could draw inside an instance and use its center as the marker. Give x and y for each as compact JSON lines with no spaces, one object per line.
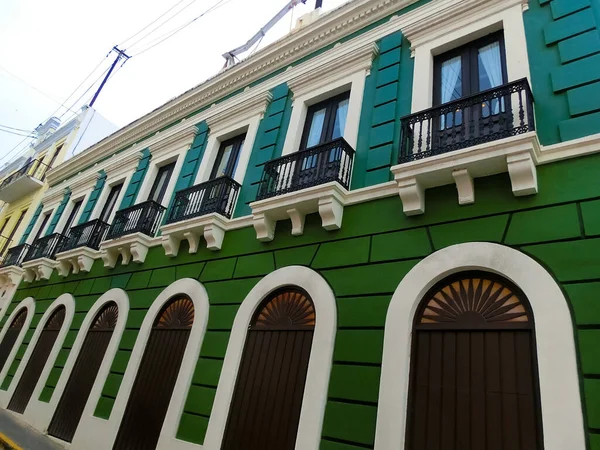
{"x":380,"y":232}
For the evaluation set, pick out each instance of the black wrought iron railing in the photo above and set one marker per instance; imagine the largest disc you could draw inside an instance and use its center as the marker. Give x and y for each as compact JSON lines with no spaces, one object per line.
{"x":142,"y":218}
{"x":88,"y":234}
{"x":317,"y":165}
{"x":214,"y":196}
{"x":490,"y":115}
{"x":15,"y":255}
{"x":35,"y":169}
{"x":45,"y":247}
{"x":4,"y":246}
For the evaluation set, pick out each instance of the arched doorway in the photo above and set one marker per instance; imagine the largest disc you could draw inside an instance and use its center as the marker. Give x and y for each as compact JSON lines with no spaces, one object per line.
{"x":11,"y":335}
{"x":72,"y":403}
{"x":267,"y":400}
{"x":37,"y":361}
{"x":153,"y":386}
{"x":473,"y":380}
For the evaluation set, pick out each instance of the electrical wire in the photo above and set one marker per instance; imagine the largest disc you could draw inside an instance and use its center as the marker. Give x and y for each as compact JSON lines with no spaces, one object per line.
{"x":16,"y":129}
{"x":177,"y":30}
{"x":17,"y":134}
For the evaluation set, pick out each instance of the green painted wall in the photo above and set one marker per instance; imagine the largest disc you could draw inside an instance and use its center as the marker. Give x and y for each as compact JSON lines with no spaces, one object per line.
{"x":93,"y":198}
{"x":59,"y":212}
{"x":31,"y":224}
{"x":136,"y":180}
{"x":563,"y":42}
{"x":267,"y":145}
{"x":363,"y":262}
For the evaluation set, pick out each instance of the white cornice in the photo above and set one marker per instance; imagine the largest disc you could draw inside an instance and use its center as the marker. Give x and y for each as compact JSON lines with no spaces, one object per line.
{"x":53,"y":196}
{"x":249,"y":104}
{"x":181,"y":141}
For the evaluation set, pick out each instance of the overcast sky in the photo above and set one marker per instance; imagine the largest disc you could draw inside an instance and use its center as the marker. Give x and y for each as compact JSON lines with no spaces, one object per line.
{"x":49,"y":47}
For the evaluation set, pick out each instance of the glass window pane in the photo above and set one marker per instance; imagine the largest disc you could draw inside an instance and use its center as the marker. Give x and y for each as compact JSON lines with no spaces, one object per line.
{"x":224,"y":160}
{"x":316,"y":128}
{"x":451,"y":87}
{"x":340,"y":119}
{"x":490,"y":75}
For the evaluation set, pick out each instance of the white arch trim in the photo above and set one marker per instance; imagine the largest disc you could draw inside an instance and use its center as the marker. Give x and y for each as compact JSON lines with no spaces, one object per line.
{"x":562,"y":417}
{"x":319,"y":366}
{"x":31,"y":414}
{"x":101,"y":434}
{"x":28,"y":303}
{"x":119,"y":297}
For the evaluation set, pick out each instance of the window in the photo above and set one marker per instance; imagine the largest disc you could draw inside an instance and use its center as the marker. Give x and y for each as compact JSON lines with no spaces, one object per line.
{"x":72,"y":216}
{"x":111,"y":202}
{"x":13,"y":231}
{"x":159,"y":187}
{"x":40,"y":230}
{"x":325,"y":121}
{"x":228,"y":157}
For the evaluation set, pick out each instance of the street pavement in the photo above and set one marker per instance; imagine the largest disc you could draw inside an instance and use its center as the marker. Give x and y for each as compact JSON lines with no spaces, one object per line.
{"x":23,"y":435}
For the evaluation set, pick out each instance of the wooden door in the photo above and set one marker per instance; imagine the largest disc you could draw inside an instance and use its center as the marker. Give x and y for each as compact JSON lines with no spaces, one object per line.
{"x":37,"y":361}
{"x":77,"y":391}
{"x":474,"y":382}
{"x":153,"y":386}
{"x":267,"y":400}
{"x":11,"y":335}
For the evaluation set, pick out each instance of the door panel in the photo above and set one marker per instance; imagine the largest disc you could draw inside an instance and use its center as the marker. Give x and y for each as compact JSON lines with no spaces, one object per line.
{"x":11,"y":336}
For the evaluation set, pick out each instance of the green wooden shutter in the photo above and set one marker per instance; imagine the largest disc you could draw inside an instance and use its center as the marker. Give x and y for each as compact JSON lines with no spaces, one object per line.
{"x":32,"y":222}
{"x":59,"y":212}
{"x":93,"y":199}
{"x":191,"y":163}
{"x":136,"y":180}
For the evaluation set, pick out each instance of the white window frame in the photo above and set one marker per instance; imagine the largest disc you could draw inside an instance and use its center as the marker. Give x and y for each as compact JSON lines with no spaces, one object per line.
{"x":38,"y":223}
{"x":67,"y":211}
{"x":560,"y":396}
{"x":438,"y":32}
{"x":155,"y":164}
{"x":103,"y":197}
{"x":314,"y":399}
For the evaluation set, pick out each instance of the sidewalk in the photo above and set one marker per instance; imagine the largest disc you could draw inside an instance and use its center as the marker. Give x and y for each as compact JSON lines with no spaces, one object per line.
{"x":21,"y":434}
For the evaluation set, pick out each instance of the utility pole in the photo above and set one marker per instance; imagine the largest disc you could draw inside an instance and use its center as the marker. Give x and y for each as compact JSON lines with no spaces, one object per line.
{"x":120,"y":54}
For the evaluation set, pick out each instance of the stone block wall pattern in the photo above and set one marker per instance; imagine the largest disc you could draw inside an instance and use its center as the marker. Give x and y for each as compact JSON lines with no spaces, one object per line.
{"x":363,"y":262}
{"x":93,"y":198}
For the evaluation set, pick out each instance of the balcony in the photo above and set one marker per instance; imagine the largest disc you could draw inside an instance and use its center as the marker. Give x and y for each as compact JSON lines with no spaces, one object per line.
{"x":4,"y":246}
{"x":200,"y":211}
{"x":24,"y":181}
{"x":317,"y":165}
{"x":305,"y":182}
{"x":15,"y":255}
{"x":45,"y":247}
{"x":215,"y":196}
{"x":142,"y":218}
{"x":480,"y":135}
{"x":80,"y":247}
{"x":131,"y":233}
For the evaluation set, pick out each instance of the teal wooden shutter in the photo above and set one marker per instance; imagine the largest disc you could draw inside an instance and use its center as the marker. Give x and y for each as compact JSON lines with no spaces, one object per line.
{"x":191,"y":163}
{"x":32,"y":222}
{"x":59,"y":212}
{"x":93,"y":199}
{"x":136,"y":180}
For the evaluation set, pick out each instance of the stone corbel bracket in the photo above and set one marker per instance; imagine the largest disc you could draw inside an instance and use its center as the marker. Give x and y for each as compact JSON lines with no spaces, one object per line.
{"x":211,"y":227}
{"x":10,"y":276}
{"x":76,"y":260}
{"x":516,"y":155}
{"x":38,"y":269}
{"x":133,"y":247}
{"x":327,"y":199}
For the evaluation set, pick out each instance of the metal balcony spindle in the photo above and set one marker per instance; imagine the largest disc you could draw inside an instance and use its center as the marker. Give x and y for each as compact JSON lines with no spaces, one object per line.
{"x":214,"y":196}
{"x":484,"y":117}
{"x":331,"y":161}
{"x":89,"y":234}
{"x":45,"y":247}
{"x":141,"y":218}
{"x":15,"y":255}
{"x":29,"y":169}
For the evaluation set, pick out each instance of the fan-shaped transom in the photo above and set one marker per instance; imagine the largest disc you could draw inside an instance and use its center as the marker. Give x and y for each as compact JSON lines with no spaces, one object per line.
{"x":56,"y":319}
{"x":474,"y":300}
{"x":19,"y":319}
{"x":177,"y":313}
{"x":107,"y":317}
{"x":286,"y":308}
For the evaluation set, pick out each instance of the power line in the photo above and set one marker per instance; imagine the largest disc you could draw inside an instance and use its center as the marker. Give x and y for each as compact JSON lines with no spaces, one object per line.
{"x":16,"y":129}
{"x":17,"y":134}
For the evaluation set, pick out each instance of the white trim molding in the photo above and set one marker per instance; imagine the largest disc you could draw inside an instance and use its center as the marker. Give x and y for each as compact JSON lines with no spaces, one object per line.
{"x":28,"y":303}
{"x":80,"y":259}
{"x":562,"y":415}
{"x":212,"y":227}
{"x":38,"y":269}
{"x":45,"y":411}
{"x":131,"y":247}
{"x":10,"y":276}
{"x":32,"y":412}
{"x":319,"y":367}
{"x":101,"y":434}
{"x":517,"y":155}
{"x":327,"y":199}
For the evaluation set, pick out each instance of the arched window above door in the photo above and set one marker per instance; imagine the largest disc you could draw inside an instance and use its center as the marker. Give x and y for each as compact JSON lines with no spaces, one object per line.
{"x":289,"y":307}
{"x":178,"y":313}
